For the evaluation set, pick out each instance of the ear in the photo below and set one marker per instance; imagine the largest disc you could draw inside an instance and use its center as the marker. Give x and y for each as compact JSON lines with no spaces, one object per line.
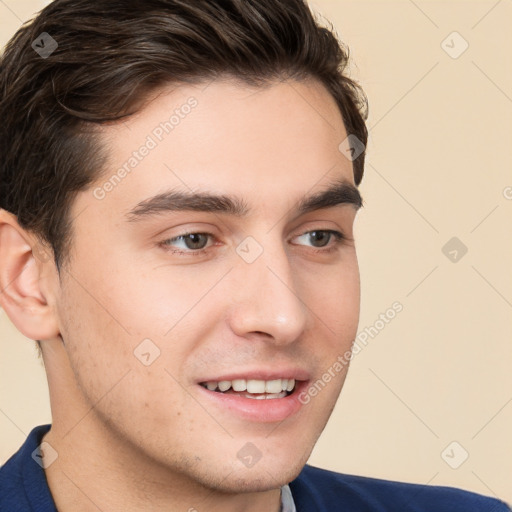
{"x":26,"y":274}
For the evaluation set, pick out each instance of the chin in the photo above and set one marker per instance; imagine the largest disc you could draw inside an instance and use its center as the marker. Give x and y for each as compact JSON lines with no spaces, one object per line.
{"x":245,"y":480}
{"x":221,"y":475}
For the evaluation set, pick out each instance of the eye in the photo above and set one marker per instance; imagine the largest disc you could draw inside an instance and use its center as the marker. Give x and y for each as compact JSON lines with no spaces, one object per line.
{"x":193,"y":243}
{"x":322,"y":237}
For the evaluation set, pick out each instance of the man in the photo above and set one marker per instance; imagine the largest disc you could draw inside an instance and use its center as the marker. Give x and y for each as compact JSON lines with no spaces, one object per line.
{"x":177,"y":233}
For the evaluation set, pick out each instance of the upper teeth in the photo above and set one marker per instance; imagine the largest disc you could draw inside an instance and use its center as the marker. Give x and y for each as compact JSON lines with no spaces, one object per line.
{"x":252,"y":385}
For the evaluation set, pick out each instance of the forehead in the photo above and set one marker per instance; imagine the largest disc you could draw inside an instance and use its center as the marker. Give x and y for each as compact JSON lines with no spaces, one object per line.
{"x":263,"y":143}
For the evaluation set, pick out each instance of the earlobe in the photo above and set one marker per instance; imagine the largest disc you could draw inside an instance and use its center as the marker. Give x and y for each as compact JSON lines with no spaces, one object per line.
{"x":21,"y":278}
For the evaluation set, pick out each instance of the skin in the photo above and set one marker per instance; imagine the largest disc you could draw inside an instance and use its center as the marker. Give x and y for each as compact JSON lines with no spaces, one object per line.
{"x":134,"y":437}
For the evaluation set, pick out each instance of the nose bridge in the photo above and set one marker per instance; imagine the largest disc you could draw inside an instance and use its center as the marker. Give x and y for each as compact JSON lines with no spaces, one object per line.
{"x":267,"y":299}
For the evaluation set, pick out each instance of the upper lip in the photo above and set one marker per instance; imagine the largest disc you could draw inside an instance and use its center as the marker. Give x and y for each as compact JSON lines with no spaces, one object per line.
{"x":262,"y":374}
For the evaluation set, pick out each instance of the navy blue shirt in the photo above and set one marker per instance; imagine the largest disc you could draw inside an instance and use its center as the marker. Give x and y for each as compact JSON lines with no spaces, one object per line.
{"x":23,"y":488}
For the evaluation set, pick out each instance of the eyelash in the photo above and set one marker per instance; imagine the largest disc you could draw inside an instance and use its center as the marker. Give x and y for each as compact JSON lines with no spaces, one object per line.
{"x":339,"y":238}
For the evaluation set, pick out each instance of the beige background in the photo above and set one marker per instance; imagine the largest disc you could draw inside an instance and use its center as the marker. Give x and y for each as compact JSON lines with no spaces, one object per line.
{"x":439,"y":164}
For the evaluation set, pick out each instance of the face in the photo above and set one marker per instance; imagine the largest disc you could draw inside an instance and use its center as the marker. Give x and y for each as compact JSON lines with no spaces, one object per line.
{"x":167,"y":300}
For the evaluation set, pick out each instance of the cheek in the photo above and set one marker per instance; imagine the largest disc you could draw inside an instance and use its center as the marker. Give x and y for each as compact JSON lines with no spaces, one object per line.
{"x":95,"y":342}
{"x":333,"y":295}
{"x":120,"y":326}
{"x":102,"y":328}
{"x":129,"y":383}
{"x":153,"y":299}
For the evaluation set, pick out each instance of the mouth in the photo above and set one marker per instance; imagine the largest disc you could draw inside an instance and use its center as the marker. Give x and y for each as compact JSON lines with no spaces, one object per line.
{"x":253,"y":388}
{"x":256,"y":400}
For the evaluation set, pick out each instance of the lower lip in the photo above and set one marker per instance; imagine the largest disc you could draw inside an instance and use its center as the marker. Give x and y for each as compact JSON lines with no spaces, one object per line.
{"x":266,"y":410}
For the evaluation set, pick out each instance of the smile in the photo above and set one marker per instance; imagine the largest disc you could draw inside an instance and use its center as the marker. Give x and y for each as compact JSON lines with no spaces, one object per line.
{"x":253,"y":388}
{"x":256,"y":400}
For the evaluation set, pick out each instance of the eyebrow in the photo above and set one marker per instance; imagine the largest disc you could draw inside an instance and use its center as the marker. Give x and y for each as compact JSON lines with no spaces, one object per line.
{"x":337,"y":193}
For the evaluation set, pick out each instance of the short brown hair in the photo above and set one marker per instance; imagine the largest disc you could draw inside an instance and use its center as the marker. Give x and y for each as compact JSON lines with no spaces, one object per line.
{"x":102,"y":60}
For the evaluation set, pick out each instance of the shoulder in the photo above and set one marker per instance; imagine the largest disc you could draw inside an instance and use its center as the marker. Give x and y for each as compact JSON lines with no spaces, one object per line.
{"x":12,"y":493}
{"x":23,"y":484}
{"x":319,"y":489}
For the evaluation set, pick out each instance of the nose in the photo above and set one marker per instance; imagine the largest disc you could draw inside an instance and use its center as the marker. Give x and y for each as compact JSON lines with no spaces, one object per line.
{"x":266,"y":298}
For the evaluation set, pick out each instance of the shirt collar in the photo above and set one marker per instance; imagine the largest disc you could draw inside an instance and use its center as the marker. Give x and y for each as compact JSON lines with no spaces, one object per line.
{"x":287,"y":503}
